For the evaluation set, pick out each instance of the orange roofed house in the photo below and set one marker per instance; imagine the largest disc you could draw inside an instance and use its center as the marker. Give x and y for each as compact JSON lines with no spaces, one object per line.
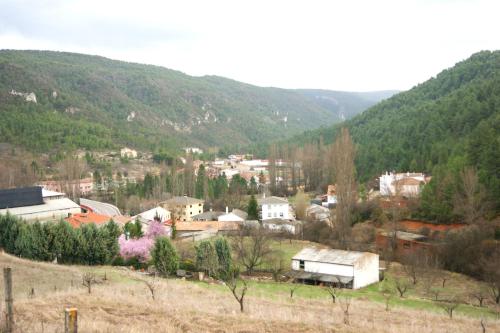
{"x":76,"y":220}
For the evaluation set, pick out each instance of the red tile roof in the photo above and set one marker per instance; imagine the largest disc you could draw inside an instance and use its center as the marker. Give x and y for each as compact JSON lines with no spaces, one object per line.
{"x":76,"y":220}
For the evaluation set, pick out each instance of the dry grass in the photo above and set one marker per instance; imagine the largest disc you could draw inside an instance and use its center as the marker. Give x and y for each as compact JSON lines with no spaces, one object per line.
{"x":122,"y":304}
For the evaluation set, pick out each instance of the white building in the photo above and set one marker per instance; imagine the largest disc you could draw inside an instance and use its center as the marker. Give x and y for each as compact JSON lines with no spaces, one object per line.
{"x":405,"y":184}
{"x":128,"y":153}
{"x":281,"y":225}
{"x":344,"y":268}
{"x":36,"y":203}
{"x":149,"y":216}
{"x":193,"y":150}
{"x":274,"y":207}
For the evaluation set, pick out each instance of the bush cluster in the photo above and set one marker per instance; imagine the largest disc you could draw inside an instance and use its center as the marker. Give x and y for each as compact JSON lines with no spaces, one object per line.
{"x":87,"y":245}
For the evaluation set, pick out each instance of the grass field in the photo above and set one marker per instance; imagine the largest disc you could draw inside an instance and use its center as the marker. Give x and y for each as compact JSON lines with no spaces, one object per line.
{"x":122,"y":303}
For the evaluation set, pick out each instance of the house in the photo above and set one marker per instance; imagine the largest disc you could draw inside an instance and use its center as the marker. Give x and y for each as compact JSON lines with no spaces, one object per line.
{"x":331,"y":195}
{"x":235,"y":216}
{"x":158,"y":213}
{"x":75,"y":187}
{"x":193,"y":150}
{"x":318,"y":213}
{"x":76,"y":220}
{"x":98,"y":207}
{"x":404,"y":243}
{"x":281,"y":225}
{"x":349,"y":269}
{"x":36,"y":203}
{"x":128,"y":153}
{"x":274,"y":207}
{"x":184,"y":208}
{"x":404,"y":184}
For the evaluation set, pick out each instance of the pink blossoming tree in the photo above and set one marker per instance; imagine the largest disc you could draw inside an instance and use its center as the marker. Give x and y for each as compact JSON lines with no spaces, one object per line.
{"x":141,"y":247}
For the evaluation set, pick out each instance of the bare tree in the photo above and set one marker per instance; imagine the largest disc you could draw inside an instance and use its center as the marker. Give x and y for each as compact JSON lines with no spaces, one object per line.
{"x":449,"y":305}
{"x":345,"y":304}
{"x":470,"y":200}
{"x":152,"y":286}
{"x":388,"y":293}
{"x":402,"y":286}
{"x":276,"y":265}
{"x":88,"y":279}
{"x":480,"y":294}
{"x":238,"y":288}
{"x":333,"y":292}
{"x":294,"y":288}
{"x":343,"y":163}
{"x":252,"y":246}
{"x":71,"y":170}
{"x":301,"y":203}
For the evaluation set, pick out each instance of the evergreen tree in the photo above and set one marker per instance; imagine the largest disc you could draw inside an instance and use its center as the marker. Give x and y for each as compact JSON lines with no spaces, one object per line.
{"x":63,"y":243}
{"x":200,"y":183}
{"x":206,"y":258}
{"x":165,"y":257}
{"x":111,"y":231}
{"x":252,"y":210}
{"x":225,"y":262}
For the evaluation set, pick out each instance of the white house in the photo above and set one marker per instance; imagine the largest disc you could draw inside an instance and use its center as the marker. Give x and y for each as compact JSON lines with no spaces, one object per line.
{"x":235,"y":216}
{"x":406,"y":184}
{"x":148,"y":216}
{"x":193,"y":150}
{"x":128,"y":153}
{"x":345,"y":268}
{"x":274,"y":207}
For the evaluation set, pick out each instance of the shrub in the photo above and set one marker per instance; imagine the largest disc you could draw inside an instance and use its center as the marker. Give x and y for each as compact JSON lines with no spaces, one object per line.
{"x":165,"y":256}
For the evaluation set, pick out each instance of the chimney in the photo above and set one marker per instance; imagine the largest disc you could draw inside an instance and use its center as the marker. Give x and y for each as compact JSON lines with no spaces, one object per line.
{"x":227,"y":210}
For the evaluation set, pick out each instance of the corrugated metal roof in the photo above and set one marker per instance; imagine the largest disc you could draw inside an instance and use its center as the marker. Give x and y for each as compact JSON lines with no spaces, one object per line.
{"x":100,"y":207}
{"x":21,"y":197}
{"x":31,"y":212}
{"x":330,"y":256}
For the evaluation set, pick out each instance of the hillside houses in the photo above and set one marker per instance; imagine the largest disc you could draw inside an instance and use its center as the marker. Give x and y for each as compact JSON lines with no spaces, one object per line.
{"x":403,"y":184}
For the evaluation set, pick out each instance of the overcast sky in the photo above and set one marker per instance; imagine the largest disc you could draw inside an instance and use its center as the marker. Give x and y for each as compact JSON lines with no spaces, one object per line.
{"x":340,"y":45}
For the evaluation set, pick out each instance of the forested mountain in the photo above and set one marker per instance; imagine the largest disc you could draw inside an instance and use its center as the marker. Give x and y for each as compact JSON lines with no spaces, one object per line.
{"x":439,"y":126}
{"x":92,"y":102}
{"x":346,"y":104}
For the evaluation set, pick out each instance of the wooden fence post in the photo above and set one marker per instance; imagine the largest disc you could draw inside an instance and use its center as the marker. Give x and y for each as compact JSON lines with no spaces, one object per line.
{"x":9,"y":308}
{"x":70,"y":320}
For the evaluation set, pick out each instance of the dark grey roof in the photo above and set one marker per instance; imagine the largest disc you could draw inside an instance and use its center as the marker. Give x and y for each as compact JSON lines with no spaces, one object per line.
{"x":208,"y":216}
{"x":272,"y":201}
{"x":240,"y":213}
{"x":183,"y":201}
{"x":21,"y":197}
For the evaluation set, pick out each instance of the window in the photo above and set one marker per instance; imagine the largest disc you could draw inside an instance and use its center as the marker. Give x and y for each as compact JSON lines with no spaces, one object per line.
{"x":301,"y":264}
{"x":281,"y":214}
{"x":275,"y":214}
{"x":269,"y":214}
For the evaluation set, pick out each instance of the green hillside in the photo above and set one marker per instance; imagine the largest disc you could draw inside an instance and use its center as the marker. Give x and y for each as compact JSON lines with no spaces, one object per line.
{"x":445,"y":123}
{"x":92,"y":102}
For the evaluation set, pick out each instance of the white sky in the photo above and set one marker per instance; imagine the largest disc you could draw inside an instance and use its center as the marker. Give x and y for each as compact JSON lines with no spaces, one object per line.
{"x":340,"y":45}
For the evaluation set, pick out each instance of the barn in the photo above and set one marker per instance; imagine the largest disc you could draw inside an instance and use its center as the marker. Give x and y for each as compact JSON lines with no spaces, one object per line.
{"x":350,"y":269}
